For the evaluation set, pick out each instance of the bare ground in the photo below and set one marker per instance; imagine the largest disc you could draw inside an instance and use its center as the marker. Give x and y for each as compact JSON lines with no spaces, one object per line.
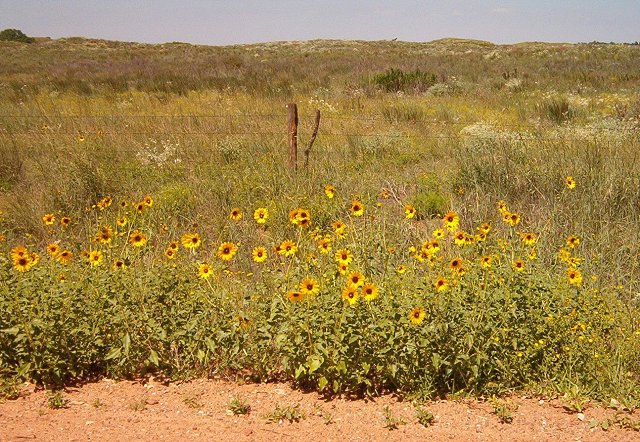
{"x":198,"y":410}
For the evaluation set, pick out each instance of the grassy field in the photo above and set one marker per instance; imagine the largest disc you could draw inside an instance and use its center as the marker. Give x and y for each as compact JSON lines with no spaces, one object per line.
{"x":496,"y":249}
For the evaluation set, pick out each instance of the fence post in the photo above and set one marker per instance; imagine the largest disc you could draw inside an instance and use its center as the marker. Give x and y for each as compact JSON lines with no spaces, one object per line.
{"x":307,"y":151}
{"x":292,"y":124}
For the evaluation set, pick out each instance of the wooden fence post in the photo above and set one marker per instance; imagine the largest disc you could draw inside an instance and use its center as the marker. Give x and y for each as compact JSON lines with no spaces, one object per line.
{"x":292,"y":123}
{"x":307,"y":151}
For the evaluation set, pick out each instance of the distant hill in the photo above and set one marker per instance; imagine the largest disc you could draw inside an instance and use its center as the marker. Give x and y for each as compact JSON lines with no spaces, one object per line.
{"x":84,"y":65}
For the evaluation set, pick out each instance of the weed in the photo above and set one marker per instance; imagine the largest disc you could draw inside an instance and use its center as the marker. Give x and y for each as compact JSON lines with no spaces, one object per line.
{"x":289,"y":413}
{"x":504,"y":410}
{"x":239,"y":406}
{"x":424,"y":416}
{"x":138,"y":405}
{"x":56,"y":400}
{"x":97,"y":403}
{"x":193,"y":399}
{"x":391,"y":421}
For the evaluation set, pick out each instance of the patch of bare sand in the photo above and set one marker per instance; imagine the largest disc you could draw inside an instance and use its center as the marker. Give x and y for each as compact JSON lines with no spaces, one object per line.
{"x":198,"y":410}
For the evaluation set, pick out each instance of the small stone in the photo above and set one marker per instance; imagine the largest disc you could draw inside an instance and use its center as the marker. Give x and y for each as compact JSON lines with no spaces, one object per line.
{"x":581,"y":416}
{"x":152,"y":401}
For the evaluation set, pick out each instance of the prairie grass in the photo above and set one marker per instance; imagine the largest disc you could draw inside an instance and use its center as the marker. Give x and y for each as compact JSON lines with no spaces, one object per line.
{"x":202,"y":131}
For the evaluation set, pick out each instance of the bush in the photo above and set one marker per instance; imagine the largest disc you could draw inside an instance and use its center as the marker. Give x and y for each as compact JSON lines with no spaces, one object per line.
{"x":396,"y":80}
{"x":15,"y":35}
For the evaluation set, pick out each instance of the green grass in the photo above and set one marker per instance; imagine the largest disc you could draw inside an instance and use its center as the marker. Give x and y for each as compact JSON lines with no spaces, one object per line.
{"x":203,"y":130}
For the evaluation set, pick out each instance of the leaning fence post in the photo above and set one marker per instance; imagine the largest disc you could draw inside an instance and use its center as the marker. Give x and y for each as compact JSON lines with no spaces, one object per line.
{"x":307,"y":151}
{"x":292,"y":124}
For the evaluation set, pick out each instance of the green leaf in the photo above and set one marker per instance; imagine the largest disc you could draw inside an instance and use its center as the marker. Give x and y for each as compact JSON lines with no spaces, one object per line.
{"x":153,"y":358}
{"x":126,"y":343}
{"x":11,"y":331}
{"x":210,"y":344}
{"x":114,"y":353}
{"x":300,"y":371}
{"x":366,"y":367}
{"x":322,"y":382}
{"x":314,"y":362}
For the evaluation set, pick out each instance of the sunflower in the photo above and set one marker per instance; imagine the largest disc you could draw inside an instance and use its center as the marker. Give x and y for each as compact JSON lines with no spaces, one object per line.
{"x":121,"y":222}
{"x":343,"y":268}
{"x":105,"y":202}
{"x":502,"y":207}
{"x":575,"y":277}
{"x":64,"y":257}
{"x":518,"y":265}
{"x":573,"y":241}
{"x":409,"y":211}
{"x":324,"y":245}
{"x":140,"y":207}
{"x":170,"y":253}
{"x":438,"y":234}
{"x":235,"y":214}
{"x":574,"y":262}
{"x":357,"y":209}
{"x":81,"y":138}
{"x":401,"y":269}
{"x":344,"y":256}
{"x":22,"y":264}
{"x":486,"y":261}
{"x":350,"y":294}
{"x":53,"y":249}
{"x":148,"y":201}
{"x":259,"y":254}
{"x":287,"y":248}
{"x":355,"y":279}
{"x":119,"y":264}
{"x":460,"y":238}
{"x":204,"y":271}
{"x":564,"y":255}
{"x":65,"y":221}
{"x":430,"y":248}
{"x":369,"y":292}
{"x":570,"y":182}
{"x":330,"y":191}
{"x":484,"y":228}
{"x":480,"y":237}
{"x":173,"y":245}
{"x":191,"y":240}
{"x":384,"y":194}
{"x":49,"y":219}
{"x":35,"y":258}
{"x":457,"y":266}
{"x":105,"y":235}
{"x":309,"y":286}
{"x":137,"y":238}
{"x":512,"y":219}
{"x":416,"y":316}
{"x":95,"y":257}
{"x":441,"y":284}
{"x":528,"y":238}
{"x":227,"y":251}
{"x":261,"y":215}
{"x":532,"y":254}
{"x":295,"y":296}
{"x":451,"y":221}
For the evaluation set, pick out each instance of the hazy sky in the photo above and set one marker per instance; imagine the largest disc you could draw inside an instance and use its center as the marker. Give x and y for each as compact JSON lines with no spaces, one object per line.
{"x":218,"y":22}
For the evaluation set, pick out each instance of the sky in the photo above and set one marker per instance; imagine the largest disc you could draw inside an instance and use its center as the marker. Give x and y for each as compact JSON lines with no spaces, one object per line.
{"x":218,"y":22}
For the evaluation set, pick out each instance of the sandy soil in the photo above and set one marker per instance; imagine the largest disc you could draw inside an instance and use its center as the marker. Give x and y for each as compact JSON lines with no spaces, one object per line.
{"x":198,"y":410}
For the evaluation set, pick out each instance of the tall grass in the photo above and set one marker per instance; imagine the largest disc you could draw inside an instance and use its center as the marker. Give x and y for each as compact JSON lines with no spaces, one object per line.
{"x":204,"y":130}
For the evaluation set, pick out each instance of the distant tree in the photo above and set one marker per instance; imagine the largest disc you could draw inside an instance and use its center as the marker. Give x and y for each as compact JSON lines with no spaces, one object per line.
{"x":15,"y":35}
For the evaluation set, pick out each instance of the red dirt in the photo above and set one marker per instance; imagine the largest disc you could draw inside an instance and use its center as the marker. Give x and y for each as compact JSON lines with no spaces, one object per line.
{"x":198,"y":410}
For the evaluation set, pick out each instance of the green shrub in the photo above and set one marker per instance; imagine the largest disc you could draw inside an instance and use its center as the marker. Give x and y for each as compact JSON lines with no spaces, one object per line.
{"x":396,"y":80}
{"x":15,"y":35}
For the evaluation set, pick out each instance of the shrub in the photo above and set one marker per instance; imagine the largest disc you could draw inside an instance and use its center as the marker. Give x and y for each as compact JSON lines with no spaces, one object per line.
{"x":396,"y":80}
{"x":15,"y":35}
